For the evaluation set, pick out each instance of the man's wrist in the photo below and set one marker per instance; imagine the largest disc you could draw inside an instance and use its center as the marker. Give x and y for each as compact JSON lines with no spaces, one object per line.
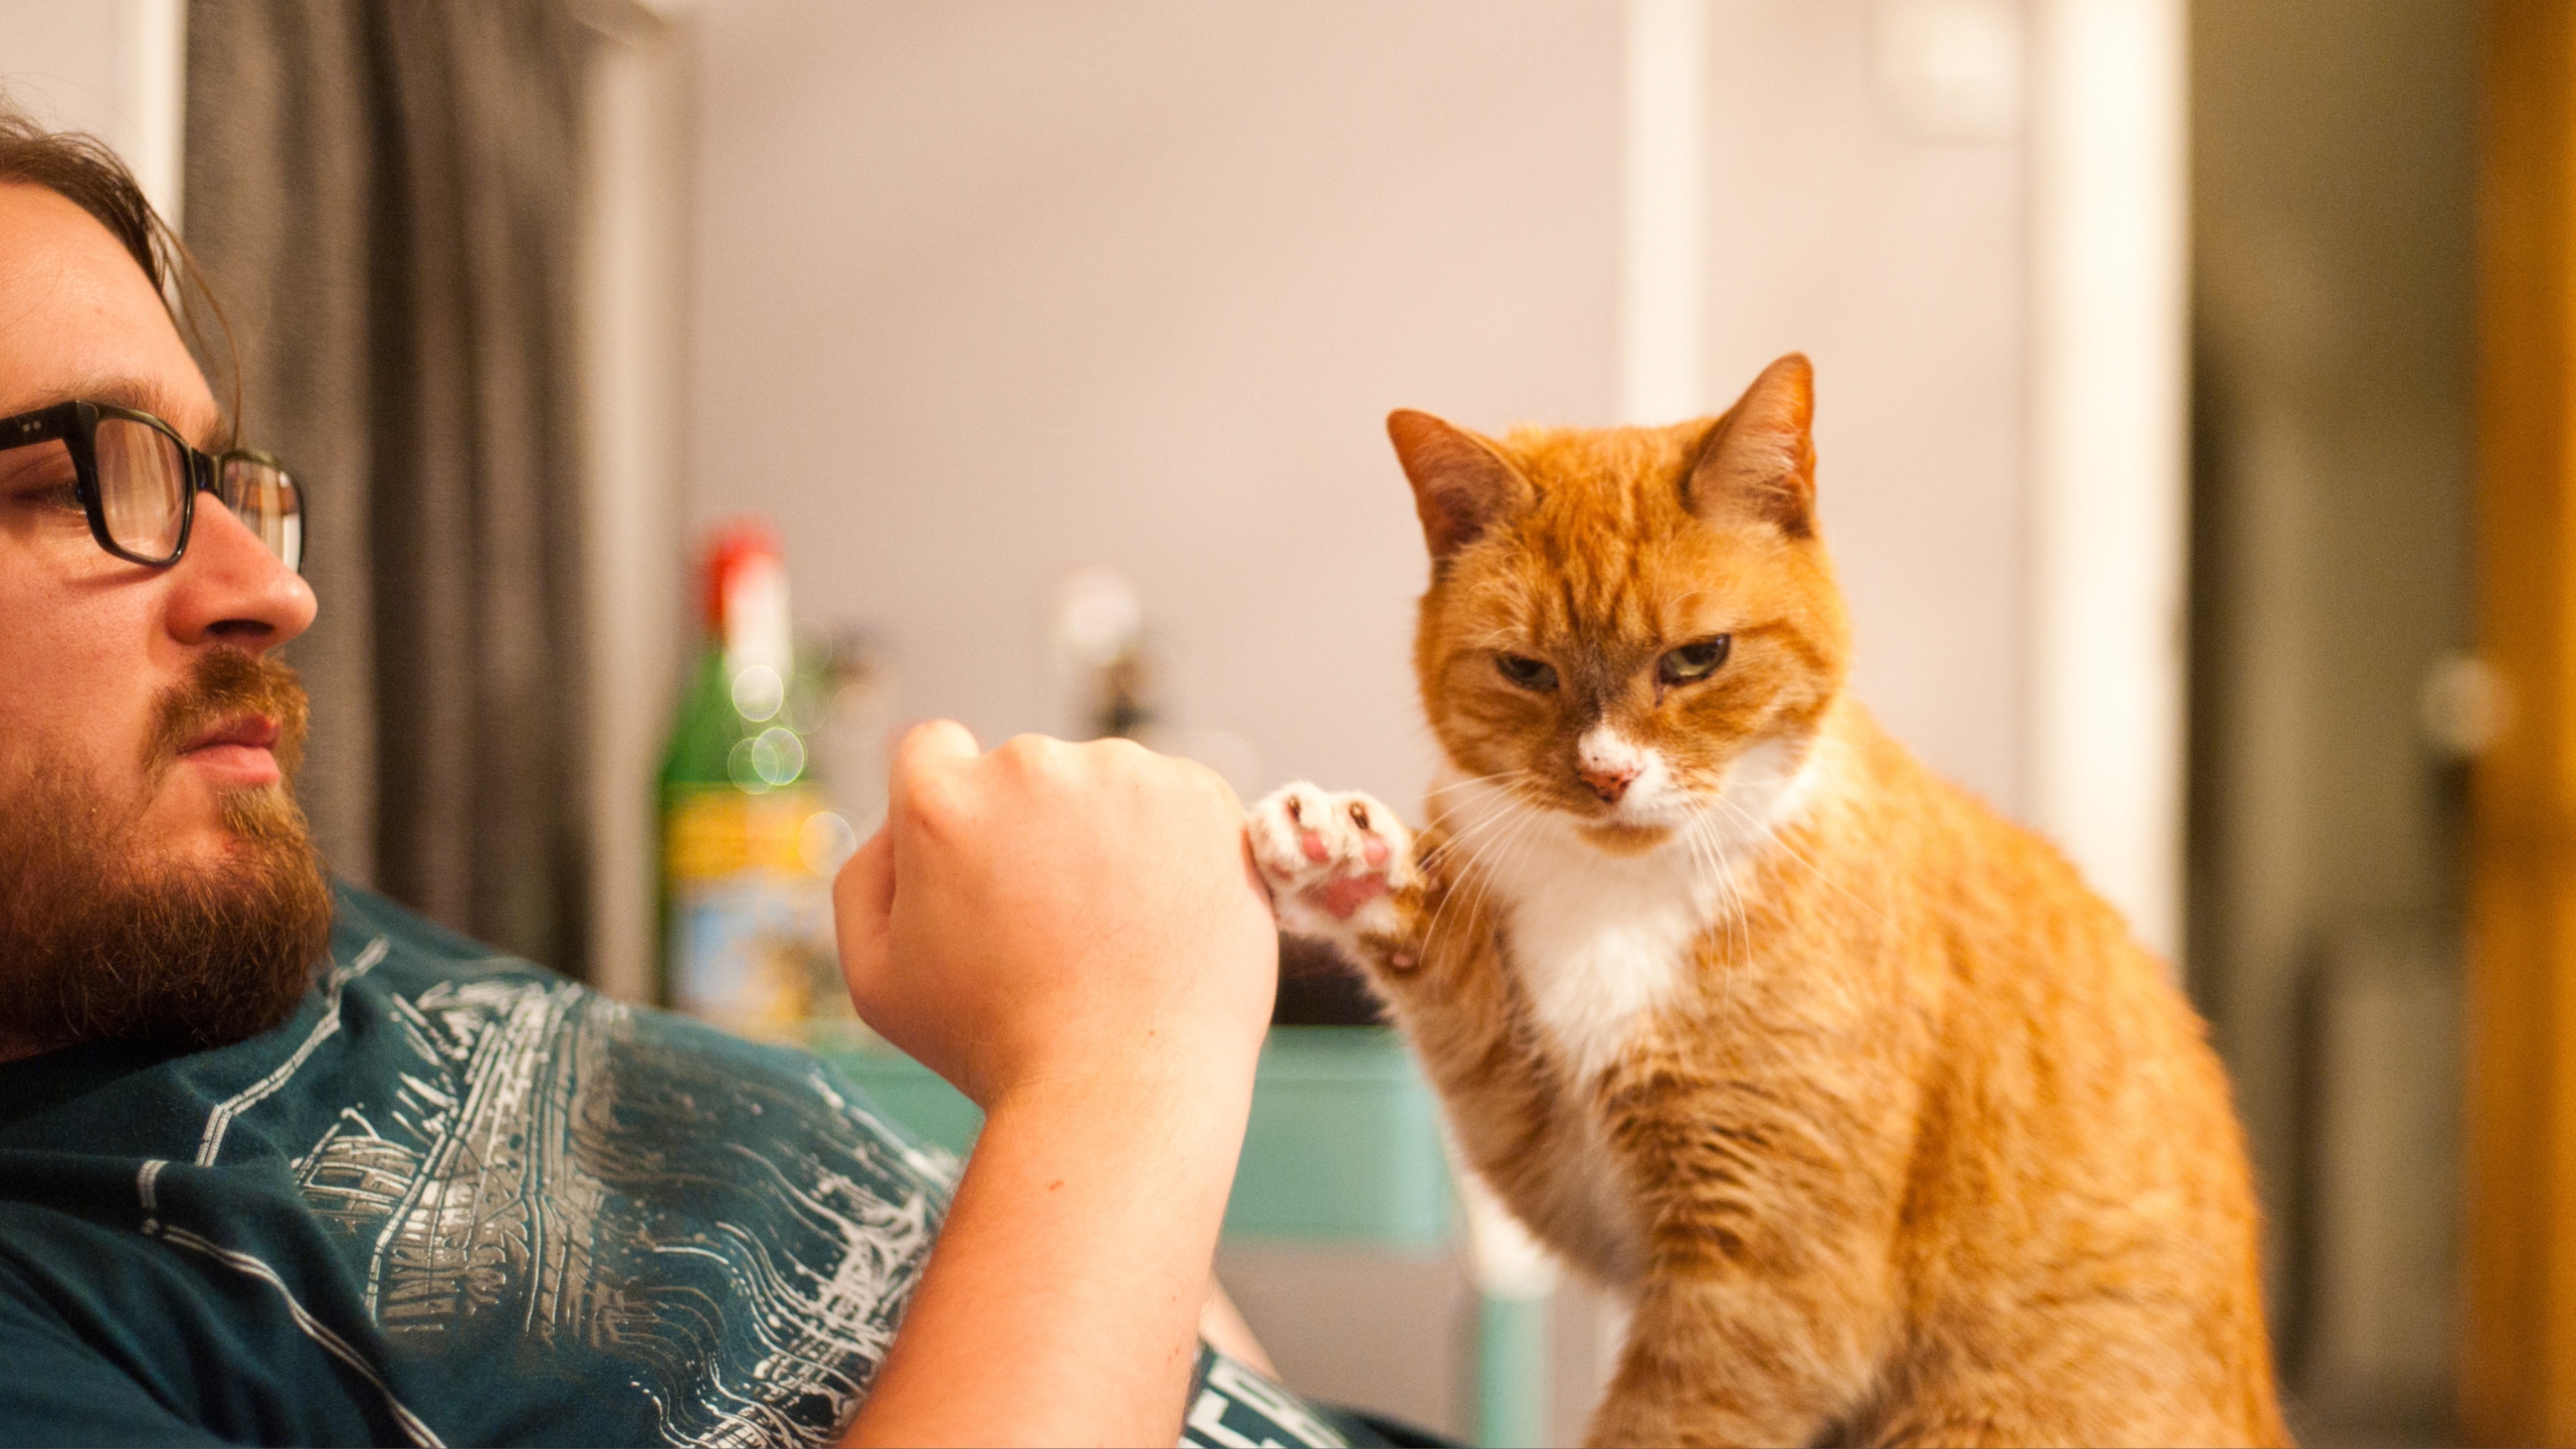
{"x":1199,"y":1086}
{"x":1091,"y":1206}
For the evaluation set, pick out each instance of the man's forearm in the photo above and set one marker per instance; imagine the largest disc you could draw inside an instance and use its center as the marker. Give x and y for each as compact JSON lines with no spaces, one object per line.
{"x":1062,"y":1301}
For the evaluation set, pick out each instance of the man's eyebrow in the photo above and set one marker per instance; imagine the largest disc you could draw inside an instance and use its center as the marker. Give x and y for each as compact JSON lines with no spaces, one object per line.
{"x":139,"y":395}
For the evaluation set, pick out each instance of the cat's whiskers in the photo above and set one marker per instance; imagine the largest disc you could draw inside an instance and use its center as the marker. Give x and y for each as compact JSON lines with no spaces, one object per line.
{"x":1704,"y":866}
{"x":1467,"y":895}
{"x":1521,"y":844}
{"x":1832,"y":986}
{"x":1485,"y":821}
{"x":1500,"y":854}
{"x":1731,"y":841}
{"x":1434,"y":812}
{"x":1733,"y":916}
{"x":1704,"y":873}
{"x":1503,"y":854}
{"x":1472,"y":780}
{"x":1469,"y":849}
{"x":1771,"y":834}
{"x":1722,"y":875}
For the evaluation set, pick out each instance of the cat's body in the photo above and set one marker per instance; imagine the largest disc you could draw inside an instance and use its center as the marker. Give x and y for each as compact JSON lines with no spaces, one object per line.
{"x":1886,"y":1126}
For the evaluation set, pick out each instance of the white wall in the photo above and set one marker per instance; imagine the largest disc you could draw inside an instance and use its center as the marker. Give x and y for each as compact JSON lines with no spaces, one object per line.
{"x":1886,"y":244}
{"x":985,"y":292}
{"x":113,"y":68}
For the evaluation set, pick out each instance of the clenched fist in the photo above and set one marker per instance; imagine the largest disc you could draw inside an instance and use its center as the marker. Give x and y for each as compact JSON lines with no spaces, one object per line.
{"x":1057,"y":915}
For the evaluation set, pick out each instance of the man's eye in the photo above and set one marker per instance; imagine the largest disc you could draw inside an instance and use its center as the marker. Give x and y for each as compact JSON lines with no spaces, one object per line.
{"x":40,"y":477}
{"x":60,"y":497}
{"x":1528,"y":673}
{"x":1693,"y":661}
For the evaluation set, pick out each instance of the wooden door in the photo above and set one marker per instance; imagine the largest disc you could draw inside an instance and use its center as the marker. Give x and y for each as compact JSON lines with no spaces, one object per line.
{"x":2518,"y":1340}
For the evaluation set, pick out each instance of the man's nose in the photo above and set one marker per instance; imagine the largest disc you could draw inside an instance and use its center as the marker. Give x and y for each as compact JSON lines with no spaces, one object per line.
{"x":229,"y":588}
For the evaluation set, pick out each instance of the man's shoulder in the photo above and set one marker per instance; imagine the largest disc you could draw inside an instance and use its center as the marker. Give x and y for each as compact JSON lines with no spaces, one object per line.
{"x":404,"y":942}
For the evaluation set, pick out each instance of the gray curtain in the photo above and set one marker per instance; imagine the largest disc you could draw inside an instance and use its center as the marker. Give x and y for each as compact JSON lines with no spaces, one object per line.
{"x":382,"y":195}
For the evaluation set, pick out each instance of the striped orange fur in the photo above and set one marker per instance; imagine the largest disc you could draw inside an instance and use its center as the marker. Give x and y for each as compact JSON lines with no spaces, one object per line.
{"x":1886,"y":1125}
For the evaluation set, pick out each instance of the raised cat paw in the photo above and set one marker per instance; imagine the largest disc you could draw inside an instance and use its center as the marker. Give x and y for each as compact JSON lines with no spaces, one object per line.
{"x":1334,"y":863}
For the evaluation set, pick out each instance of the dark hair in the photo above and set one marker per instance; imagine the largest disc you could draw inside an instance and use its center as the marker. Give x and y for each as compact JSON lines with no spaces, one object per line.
{"x":82,"y":170}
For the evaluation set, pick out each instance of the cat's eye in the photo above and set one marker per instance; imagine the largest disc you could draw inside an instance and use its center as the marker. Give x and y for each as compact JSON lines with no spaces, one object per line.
{"x":1695,"y":660}
{"x":1526,"y":672}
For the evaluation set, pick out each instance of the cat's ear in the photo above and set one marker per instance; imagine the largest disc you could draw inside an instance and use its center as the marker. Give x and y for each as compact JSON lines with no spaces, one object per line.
{"x":1461,"y":486}
{"x":1759,"y":463}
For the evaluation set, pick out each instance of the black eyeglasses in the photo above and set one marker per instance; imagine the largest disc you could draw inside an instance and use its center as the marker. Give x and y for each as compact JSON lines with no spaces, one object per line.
{"x":138,"y":480}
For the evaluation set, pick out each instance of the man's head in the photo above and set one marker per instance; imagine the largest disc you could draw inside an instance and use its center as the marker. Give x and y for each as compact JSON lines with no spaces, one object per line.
{"x":156,"y":881}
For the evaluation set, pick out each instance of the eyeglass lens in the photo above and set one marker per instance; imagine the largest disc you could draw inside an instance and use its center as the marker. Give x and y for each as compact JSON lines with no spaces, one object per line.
{"x":143,"y":492}
{"x":267,"y":502}
{"x":142,"y":487}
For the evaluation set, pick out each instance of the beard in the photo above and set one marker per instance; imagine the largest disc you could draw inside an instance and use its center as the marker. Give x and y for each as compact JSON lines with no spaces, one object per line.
{"x":104,"y":937}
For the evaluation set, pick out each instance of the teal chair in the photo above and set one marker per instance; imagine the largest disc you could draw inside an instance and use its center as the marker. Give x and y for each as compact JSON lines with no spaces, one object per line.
{"x":1344,"y":1147}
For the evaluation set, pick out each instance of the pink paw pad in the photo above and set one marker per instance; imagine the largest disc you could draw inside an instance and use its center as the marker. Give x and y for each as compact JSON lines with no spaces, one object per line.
{"x":1333,"y":855}
{"x":1343,"y":895}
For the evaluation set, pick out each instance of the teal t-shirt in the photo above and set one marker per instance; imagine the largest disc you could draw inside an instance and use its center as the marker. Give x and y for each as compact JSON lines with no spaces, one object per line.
{"x":459,"y":1199}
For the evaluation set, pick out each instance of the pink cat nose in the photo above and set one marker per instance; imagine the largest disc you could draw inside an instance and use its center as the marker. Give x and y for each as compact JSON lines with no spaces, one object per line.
{"x":1609,"y":782}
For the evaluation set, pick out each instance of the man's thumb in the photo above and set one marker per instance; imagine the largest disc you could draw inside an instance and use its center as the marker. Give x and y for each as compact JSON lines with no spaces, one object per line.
{"x":863,"y":909}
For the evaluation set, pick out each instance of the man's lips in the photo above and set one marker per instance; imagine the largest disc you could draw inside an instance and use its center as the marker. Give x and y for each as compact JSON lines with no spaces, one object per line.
{"x":256,"y":731}
{"x":239,"y":750}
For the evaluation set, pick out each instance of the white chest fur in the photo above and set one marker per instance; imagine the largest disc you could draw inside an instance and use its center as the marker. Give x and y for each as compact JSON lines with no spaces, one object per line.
{"x":1601,"y":940}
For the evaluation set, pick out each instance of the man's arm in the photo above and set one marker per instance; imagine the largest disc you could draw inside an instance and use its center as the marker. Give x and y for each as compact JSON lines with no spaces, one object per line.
{"x":1061,"y":1304}
{"x":1072,"y":935}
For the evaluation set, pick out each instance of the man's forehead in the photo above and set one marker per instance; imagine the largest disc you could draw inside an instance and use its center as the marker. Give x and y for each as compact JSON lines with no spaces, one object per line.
{"x":79,"y":319}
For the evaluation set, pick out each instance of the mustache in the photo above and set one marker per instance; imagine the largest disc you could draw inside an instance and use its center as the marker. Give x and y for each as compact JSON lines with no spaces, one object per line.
{"x":222,"y":684}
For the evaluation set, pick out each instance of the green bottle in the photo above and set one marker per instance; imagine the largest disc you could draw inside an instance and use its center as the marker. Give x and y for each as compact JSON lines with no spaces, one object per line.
{"x":749,"y":844}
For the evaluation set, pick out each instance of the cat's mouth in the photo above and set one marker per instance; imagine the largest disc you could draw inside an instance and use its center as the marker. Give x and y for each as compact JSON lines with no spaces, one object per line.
{"x":1638,"y":822}
{"x":1726,"y":806}
{"x":1617,"y":837}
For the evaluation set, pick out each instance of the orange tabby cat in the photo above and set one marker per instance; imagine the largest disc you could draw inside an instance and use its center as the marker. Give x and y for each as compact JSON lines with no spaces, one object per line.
{"x":1890,"y":1130}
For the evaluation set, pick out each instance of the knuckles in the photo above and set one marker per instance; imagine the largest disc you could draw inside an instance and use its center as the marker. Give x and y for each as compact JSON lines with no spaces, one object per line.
{"x":928,"y":802}
{"x":1123,"y":752}
{"x":1029,"y":754}
{"x":1113,"y":779}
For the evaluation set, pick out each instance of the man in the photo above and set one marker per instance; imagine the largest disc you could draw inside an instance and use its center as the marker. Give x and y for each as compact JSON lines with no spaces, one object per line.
{"x":282,"y":1163}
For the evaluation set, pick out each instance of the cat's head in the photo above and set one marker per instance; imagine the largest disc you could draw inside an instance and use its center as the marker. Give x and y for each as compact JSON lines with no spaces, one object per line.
{"x":1636,"y":627}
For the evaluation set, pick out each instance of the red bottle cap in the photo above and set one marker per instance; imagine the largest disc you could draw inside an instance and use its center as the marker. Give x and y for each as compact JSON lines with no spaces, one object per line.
{"x":729,"y":546}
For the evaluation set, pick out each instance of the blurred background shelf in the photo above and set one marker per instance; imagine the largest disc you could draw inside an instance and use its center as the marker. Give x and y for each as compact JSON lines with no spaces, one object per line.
{"x":1343,"y":1147}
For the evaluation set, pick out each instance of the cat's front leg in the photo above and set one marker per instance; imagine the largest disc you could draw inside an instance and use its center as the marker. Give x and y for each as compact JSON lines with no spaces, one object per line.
{"x":1341,"y":869}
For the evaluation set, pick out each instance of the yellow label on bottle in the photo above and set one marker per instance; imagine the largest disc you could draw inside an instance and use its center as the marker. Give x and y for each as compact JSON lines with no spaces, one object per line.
{"x":750,"y":928}
{"x":716,"y":833}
